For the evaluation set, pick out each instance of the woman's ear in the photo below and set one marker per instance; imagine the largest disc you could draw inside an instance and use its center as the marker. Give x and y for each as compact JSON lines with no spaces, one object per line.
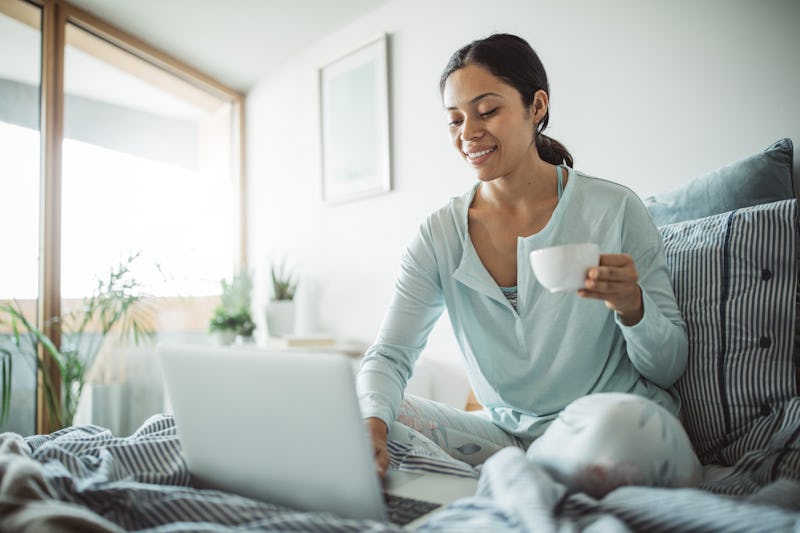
{"x":539,"y":106}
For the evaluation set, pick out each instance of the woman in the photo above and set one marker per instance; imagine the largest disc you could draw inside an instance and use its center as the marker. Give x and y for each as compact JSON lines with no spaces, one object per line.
{"x":531,"y":354}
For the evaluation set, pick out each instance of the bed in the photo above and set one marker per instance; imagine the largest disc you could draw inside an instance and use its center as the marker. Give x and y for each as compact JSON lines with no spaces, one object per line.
{"x":731,"y":241}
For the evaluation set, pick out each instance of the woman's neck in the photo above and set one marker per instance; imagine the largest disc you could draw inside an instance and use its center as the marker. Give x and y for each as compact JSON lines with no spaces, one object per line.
{"x":528,"y":186}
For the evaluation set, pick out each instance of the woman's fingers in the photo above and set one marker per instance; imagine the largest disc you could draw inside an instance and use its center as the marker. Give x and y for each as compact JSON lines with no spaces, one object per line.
{"x":614,"y":267}
{"x":614,"y":280}
{"x":378,"y":433}
{"x":382,"y":460}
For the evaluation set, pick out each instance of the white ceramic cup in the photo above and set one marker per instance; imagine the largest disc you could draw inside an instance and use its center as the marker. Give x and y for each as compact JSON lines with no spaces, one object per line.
{"x":563,"y":268}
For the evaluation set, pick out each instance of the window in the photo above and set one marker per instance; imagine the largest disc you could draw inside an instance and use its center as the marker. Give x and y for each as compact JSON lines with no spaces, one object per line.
{"x":141,"y":156}
{"x":20,"y":80}
{"x":147,"y":168}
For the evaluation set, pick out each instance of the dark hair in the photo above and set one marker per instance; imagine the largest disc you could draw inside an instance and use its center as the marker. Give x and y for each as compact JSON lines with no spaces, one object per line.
{"x":512,"y":59}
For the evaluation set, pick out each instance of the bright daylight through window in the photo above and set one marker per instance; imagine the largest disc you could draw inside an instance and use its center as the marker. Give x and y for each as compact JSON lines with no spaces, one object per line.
{"x":147,"y":166}
{"x":20,"y":81}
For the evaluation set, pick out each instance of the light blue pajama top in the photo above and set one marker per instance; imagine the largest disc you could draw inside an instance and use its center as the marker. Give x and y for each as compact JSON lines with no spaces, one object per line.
{"x":526,"y":365}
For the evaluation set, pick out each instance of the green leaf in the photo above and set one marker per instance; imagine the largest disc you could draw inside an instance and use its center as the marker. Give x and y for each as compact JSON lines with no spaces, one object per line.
{"x":6,"y":364}
{"x":115,"y":301}
{"x":283,"y":283}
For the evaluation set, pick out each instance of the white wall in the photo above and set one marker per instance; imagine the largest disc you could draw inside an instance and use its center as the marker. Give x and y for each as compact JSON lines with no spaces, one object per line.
{"x":647,"y":93}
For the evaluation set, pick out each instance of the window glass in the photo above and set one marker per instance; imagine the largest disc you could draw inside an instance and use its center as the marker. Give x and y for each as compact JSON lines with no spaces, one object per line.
{"x":147,"y":171}
{"x":20,"y":80}
{"x":147,"y":168}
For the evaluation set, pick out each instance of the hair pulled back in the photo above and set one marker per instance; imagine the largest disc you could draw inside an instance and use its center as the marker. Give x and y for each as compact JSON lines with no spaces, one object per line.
{"x":512,"y":59}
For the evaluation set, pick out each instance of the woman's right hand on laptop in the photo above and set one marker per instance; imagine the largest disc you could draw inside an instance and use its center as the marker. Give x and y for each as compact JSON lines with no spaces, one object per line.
{"x":378,"y":433}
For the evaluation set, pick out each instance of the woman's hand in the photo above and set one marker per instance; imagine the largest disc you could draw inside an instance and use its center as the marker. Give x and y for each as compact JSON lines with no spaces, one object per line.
{"x":615,"y":281}
{"x":378,"y":433}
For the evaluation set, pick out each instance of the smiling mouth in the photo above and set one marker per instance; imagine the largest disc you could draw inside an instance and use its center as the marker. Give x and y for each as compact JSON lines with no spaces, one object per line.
{"x":477,"y":155}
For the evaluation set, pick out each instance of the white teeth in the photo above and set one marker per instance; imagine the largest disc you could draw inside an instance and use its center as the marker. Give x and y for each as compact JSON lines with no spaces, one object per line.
{"x":476,"y":155}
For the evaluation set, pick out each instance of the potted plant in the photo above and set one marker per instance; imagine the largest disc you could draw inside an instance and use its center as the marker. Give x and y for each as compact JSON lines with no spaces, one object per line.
{"x":232,"y":318}
{"x":281,"y":308}
{"x":115,"y":309}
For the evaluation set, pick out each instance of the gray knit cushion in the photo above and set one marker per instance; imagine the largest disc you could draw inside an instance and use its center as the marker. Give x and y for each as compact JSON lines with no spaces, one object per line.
{"x":762,"y":178}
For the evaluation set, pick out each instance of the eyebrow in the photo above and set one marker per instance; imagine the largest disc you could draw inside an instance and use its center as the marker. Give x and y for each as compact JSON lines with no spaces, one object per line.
{"x":476,"y":99}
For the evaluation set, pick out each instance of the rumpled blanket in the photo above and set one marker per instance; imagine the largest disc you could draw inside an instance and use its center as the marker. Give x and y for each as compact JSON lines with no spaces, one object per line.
{"x":85,"y":479}
{"x":29,"y":503}
{"x":516,"y":495}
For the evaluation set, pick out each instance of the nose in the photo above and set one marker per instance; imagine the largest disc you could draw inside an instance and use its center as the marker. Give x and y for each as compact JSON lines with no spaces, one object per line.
{"x":470,"y":129}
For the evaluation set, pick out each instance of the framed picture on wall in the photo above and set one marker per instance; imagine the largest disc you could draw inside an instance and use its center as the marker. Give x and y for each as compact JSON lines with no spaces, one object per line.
{"x":355,"y":124}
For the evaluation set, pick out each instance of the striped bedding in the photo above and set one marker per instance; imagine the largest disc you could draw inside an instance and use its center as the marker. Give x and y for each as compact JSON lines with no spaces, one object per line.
{"x":86,"y":479}
{"x":735,"y":277}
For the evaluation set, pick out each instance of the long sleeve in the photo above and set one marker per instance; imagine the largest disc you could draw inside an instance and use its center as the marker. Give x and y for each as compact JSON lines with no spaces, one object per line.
{"x":527,"y":363}
{"x":416,"y":305}
{"x":657,"y":345}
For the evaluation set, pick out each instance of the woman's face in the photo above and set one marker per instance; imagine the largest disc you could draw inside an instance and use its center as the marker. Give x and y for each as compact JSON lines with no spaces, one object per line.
{"x":489,"y":125}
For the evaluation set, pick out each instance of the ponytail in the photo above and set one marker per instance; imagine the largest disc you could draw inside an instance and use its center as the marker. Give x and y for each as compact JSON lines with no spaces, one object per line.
{"x":552,"y":151}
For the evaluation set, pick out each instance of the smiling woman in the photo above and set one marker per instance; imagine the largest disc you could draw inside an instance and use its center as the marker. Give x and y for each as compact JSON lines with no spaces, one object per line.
{"x":532,"y":356}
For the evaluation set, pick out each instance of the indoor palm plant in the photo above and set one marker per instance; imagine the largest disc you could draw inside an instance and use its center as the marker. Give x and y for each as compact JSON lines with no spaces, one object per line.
{"x":116,"y":309}
{"x":232,"y":316}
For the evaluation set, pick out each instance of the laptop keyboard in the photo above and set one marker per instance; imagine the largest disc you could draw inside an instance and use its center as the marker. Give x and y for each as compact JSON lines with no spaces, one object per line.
{"x":402,"y":510}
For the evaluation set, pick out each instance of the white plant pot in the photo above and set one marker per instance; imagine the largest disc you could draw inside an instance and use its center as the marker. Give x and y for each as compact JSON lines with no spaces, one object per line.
{"x":280,"y":317}
{"x":242,"y":340}
{"x":225,"y":338}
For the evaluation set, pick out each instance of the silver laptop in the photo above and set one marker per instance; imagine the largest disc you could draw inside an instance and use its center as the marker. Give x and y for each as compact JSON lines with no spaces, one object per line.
{"x":284,"y":427}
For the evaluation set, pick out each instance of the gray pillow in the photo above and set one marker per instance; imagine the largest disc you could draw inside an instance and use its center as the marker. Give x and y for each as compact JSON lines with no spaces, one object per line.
{"x":758,"y":179}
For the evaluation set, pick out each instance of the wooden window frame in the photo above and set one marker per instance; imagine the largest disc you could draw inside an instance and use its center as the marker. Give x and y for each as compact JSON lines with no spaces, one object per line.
{"x":56,"y":14}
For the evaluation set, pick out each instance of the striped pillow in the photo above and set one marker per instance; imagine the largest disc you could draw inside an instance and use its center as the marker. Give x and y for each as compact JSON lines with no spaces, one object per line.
{"x":735,"y":279}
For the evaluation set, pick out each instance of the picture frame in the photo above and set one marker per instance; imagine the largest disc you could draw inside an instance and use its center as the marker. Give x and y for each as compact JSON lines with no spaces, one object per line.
{"x":354,"y":113}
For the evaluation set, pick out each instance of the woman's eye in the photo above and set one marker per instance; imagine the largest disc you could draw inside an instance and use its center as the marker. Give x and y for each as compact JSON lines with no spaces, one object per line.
{"x":489,"y":113}
{"x":454,"y":123}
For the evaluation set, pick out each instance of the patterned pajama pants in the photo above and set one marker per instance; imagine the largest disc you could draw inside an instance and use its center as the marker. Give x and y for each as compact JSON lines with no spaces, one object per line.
{"x":597,"y":443}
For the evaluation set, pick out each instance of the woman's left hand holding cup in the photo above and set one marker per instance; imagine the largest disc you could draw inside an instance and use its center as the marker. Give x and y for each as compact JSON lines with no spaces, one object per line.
{"x":615,"y":280}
